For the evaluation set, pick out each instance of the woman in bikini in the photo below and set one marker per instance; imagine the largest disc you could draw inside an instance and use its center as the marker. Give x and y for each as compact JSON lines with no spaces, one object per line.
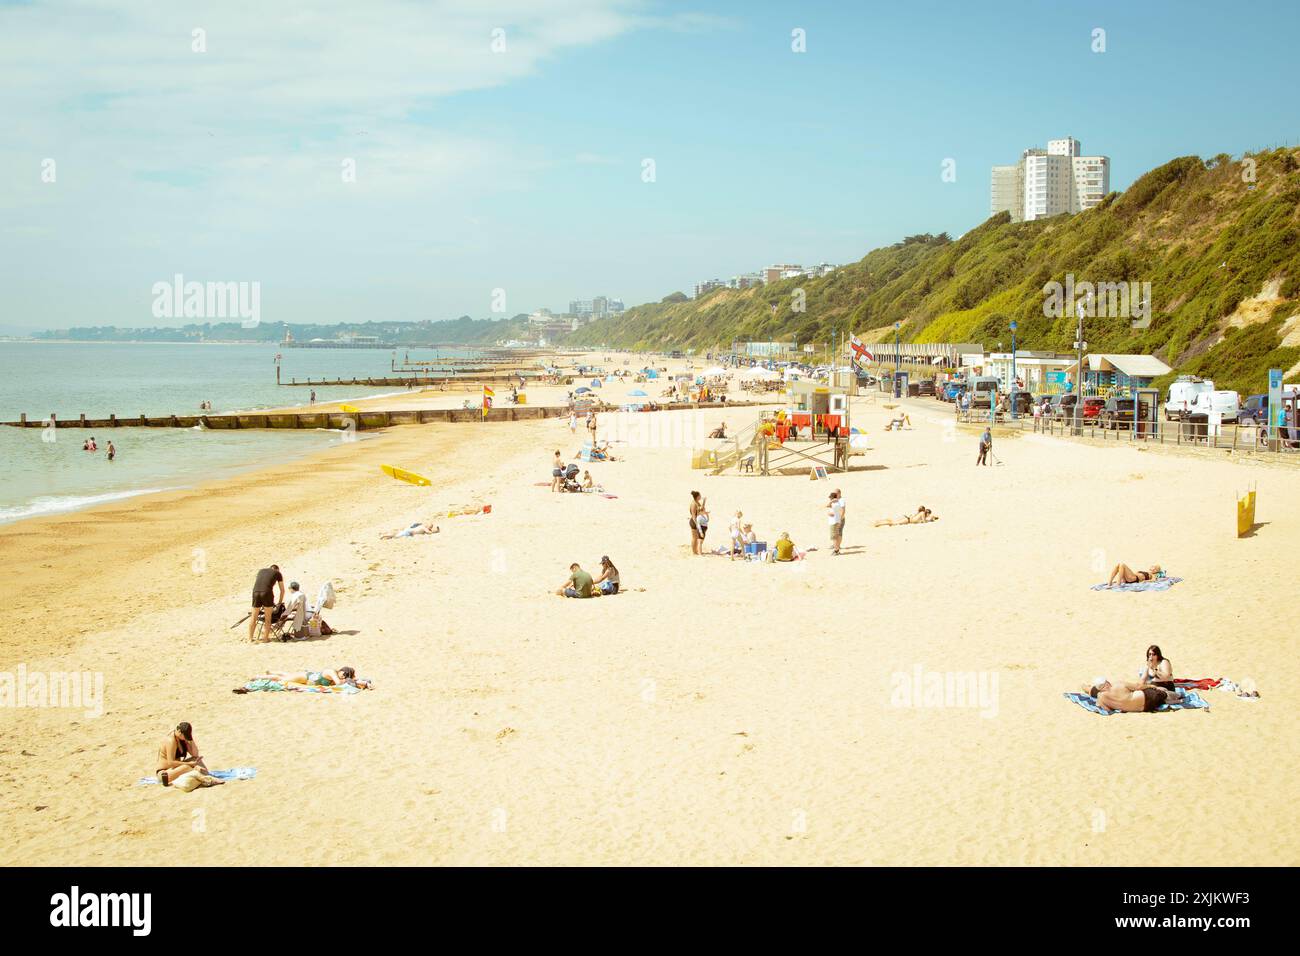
{"x":1127,"y":575}
{"x":329,"y":678}
{"x":699,"y":521}
{"x":923,"y":514}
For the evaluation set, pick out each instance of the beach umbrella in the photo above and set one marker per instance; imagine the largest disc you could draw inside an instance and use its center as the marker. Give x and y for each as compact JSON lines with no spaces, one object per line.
{"x":637,"y":392}
{"x":579,"y":391}
{"x":715,"y":370}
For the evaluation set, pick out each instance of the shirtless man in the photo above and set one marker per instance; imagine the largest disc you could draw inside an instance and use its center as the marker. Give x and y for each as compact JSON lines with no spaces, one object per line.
{"x":1131,"y":698}
{"x":179,"y":755}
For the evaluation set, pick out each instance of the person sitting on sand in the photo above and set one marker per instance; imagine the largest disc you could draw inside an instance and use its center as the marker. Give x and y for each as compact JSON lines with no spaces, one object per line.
{"x":608,"y":582}
{"x":784,"y":547}
{"x":1158,"y":670}
{"x":923,"y":514}
{"x":1126,"y":575}
{"x":578,"y":585}
{"x":1131,"y":698}
{"x":179,"y":756}
{"x":419,"y":527}
{"x":327,"y":678}
{"x":748,"y":536}
{"x":587,"y":483}
{"x":896,"y":423}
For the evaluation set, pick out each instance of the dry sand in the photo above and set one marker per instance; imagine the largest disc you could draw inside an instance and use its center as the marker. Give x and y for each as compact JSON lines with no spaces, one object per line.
{"x":717,"y":712}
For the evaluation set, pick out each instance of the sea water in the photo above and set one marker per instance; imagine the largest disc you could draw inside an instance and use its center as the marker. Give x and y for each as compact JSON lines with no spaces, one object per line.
{"x":38,"y":476}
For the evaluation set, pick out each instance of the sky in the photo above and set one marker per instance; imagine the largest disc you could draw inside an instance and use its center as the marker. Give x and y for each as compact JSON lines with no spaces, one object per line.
{"x":512,"y":154}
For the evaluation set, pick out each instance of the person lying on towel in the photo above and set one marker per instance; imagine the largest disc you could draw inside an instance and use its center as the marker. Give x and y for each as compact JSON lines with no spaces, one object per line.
{"x":1131,"y":698}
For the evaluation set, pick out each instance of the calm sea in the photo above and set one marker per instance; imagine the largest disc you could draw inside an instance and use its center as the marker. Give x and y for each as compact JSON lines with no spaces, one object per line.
{"x":42,"y":477}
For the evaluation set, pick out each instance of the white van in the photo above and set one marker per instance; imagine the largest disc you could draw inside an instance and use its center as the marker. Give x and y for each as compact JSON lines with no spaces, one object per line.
{"x":1183,"y":394}
{"x":1226,"y":403}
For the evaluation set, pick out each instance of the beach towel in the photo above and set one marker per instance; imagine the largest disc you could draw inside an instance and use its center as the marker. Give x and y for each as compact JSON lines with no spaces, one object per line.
{"x":1158,"y":584}
{"x":274,"y":685}
{"x":1198,"y":683}
{"x":1192,"y":701}
{"x":234,"y":773}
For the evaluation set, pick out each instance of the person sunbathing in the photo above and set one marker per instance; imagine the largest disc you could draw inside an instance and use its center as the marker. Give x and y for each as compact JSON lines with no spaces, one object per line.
{"x":1127,"y":575}
{"x":419,"y":527}
{"x":1131,"y":698}
{"x":923,"y":514}
{"x":179,"y":757}
{"x":896,"y":423}
{"x":328,"y":678}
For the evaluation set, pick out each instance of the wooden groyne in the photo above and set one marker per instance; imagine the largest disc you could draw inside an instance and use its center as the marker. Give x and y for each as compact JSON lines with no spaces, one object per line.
{"x":360,"y":421}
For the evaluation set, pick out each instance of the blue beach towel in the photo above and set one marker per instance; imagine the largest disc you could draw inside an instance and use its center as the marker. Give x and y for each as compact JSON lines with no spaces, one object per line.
{"x":1158,"y":584}
{"x":234,"y":773}
{"x":1192,"y":701}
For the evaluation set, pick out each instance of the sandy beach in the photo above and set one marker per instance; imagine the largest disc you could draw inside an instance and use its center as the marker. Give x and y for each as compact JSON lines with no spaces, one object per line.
{"x":716,"y":712}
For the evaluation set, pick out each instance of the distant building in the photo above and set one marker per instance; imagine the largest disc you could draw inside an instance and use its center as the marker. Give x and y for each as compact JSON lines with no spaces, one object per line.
{"x":708,"y":285}
{"x":783,"y":270}
{"x":746,"y":280}
{"x":541,"y":317}
{"x":1049,"y":182}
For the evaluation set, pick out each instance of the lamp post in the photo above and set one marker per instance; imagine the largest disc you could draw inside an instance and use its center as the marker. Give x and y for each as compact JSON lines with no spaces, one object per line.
{"x":1079,"y":345}
{"x":1013,"y":369}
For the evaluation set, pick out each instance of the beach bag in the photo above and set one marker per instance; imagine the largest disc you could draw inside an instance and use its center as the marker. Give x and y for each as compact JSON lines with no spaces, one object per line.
{"x":326,"y":596}
{"x":314,"y":627}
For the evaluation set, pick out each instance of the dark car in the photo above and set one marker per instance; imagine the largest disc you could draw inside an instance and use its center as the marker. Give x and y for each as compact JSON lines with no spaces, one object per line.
{"x":925,"y":387}
{"x":1022,"y":402}
{"x":1062,"y":406}
{"x":1254,"y":410}
{"x":1117,"y":413}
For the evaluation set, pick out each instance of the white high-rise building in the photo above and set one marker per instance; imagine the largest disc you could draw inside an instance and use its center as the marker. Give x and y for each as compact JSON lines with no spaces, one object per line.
{"x":1048,"y":182}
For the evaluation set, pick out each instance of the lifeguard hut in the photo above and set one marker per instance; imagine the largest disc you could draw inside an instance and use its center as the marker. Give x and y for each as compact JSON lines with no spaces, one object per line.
{"x":812,"y":431}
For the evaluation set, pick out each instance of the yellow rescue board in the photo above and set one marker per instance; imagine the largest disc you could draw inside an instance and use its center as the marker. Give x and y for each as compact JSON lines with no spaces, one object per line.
{"x":401,"y":474}
{"x":1245,"y":514}
{"x":350,"y":409}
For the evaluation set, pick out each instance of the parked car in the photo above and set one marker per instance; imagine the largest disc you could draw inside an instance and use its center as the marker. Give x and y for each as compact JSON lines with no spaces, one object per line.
{"x":1117,"y":413}
{"x":925,"y":387}
{"x":1254,"y":411}
{"x":1023,"y":402}
{"x":1183,"y":394}
{"x":1062,"y":406}
{"x":1092,"y":407}
{"x":982,"y":389}
{"x":952,"y":391}
{"x":1226,"y":403}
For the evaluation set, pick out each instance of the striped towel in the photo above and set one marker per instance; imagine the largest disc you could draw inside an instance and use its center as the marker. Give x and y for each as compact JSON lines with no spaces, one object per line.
{"x":1158,"y":584}
{"x":234,"y":773}
{"x":1191,"y":701}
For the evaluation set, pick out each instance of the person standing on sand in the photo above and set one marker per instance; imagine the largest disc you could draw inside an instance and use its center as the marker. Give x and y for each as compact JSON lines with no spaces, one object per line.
{"x":699,"y":521}
{"x":835,"y":512}
{"x":986,"y":446}
{"x":557,"y":471}
{"x":263,"y":601}
{"x":573,"y":423}
{"x":591,"y":427}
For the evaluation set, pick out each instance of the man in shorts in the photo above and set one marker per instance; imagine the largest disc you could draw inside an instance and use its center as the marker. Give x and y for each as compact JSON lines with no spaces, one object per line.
{"x":835,"y":513}
{"x":264,"y":601}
